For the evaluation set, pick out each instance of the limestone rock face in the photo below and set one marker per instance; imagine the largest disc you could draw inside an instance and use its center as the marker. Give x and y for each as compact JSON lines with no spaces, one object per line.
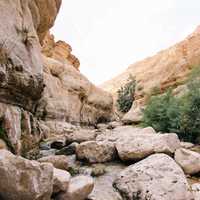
{"x":69,"y":96}
{"x":23,"y":179}
{"x":21,"y":81}
{"x":188,"y":160}
{"x":21,"y":70}
{"x":156,"y":177}
{"x":20,"y":130}
{"x":141,"y":146}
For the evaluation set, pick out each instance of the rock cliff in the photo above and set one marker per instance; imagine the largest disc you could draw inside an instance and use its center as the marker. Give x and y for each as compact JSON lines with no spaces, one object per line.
{"x":39,"y":80}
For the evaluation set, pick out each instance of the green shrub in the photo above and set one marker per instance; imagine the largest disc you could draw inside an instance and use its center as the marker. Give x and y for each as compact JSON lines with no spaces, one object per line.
{"x":126,"y":95}
{"x":162,"y":113}
{"x":166,"y":113}
{"x":190,"y":110}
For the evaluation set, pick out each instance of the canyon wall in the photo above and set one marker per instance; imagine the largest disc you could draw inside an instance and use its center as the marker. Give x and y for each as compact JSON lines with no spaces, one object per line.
{"x":40,"y":85}
{"x":168,"y":68}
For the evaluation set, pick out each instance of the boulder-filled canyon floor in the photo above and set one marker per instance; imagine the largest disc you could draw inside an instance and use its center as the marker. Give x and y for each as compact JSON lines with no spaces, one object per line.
{"x":61,"y":137}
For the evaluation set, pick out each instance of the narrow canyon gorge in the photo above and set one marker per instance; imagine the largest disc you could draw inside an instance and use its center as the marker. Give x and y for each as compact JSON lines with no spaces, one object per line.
{"x":63,"y":138}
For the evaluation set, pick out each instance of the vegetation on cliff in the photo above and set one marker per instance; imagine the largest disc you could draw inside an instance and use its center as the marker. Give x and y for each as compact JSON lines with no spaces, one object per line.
{"x":126,"y":95}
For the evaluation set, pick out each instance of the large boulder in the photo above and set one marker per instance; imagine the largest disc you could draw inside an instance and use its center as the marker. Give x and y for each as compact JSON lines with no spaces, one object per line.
{"x":143,"y":145}
{"x":81,"y":135}
{"x":23,"y":179}
{"x":79,"y":189}
{"x":61,"y":180}
{"x":58,"y":161}
{"x":96,"y":152}
{"x":121,"y":132}
{"x":157,"y":177}
{"x":134,"y":116}
{"x":188,"y":160}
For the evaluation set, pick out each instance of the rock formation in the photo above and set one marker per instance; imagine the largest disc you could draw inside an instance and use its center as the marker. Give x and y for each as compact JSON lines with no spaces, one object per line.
{"x":36,"y":87}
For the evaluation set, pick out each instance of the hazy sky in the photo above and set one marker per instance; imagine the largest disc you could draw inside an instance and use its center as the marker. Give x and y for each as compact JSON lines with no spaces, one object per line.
{"x":109,"y":35}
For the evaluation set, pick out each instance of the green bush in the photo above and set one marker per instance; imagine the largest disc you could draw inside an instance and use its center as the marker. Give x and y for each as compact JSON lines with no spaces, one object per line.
{"x":190,"y":112}
{"x":166,"y":113}
{"x":160,"y":111}
{"x":126,"y":95}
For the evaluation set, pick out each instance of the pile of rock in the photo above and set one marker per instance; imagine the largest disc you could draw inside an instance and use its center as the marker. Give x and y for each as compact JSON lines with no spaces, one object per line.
{"x":31,"y":180}
{"x":126,"y":163}
{"x":129,"y":143}
{"x":154,"y":174}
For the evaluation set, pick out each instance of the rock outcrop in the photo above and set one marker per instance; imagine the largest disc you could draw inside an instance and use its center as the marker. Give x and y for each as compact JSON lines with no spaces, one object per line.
{"x":168,"y":68}
{"x":59,"y":50}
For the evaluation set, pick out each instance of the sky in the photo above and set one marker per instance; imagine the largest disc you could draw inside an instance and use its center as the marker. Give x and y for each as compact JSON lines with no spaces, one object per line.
{"x":109,"y":35}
